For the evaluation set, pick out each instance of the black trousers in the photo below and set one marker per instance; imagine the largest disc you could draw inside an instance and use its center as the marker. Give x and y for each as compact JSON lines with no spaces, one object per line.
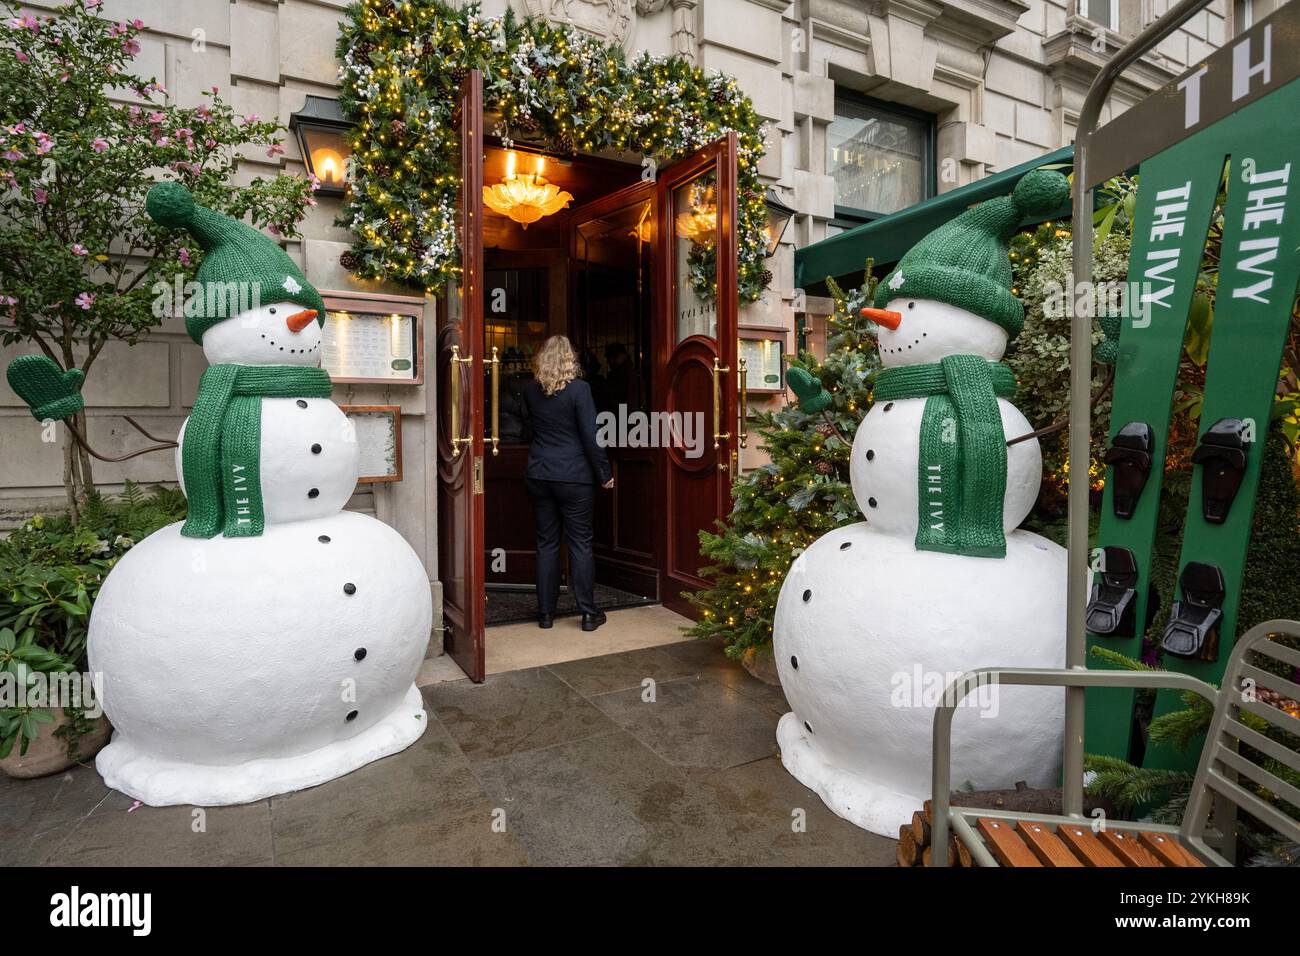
{"x":563,"y":506}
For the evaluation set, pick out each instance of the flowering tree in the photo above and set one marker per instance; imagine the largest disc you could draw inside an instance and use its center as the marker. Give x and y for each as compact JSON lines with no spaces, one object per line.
{"x":81,"y":141}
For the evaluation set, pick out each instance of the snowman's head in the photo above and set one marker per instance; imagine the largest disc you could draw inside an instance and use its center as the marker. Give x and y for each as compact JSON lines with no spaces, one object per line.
{"x":283,"y":333}
{"x":922,"y":331}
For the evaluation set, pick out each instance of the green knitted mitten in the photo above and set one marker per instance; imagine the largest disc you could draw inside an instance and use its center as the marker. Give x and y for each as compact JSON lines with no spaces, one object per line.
{"x":1107,"y":350}
{"x":812,"y":397}
{"x":49,"y":392}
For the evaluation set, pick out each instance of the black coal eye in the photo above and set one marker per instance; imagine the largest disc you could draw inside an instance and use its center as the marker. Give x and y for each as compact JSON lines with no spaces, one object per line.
{"x":272,"y":311}
{"x":909,"y":305}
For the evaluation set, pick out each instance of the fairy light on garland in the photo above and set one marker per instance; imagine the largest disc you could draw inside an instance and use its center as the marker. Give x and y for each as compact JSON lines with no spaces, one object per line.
{"x":402,"y":65}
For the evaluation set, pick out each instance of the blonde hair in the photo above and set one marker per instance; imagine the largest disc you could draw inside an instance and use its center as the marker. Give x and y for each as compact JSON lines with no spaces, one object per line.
{"x":556,"y":364}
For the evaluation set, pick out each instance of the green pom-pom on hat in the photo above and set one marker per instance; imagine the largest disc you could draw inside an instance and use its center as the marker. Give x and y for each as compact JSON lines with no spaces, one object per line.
{"x":964,"y":262}
{"x":241,"y":268}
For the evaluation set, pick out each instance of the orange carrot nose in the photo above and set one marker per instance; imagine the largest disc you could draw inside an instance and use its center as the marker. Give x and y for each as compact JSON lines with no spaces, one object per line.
{"x":890,"y":320}
{"x":300,"y":320}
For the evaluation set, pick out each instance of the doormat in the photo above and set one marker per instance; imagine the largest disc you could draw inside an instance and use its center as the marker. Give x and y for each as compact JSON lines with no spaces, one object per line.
{"x":508,"y":607}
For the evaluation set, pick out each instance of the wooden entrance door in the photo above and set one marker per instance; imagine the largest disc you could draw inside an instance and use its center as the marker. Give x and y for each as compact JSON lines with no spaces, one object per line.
{"x":611,"y":255}
{"x":460,"y":408}
{"x":696,"y":315}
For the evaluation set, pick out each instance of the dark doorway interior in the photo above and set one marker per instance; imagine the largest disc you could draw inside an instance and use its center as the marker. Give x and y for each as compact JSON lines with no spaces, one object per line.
{"x":584,"y":273}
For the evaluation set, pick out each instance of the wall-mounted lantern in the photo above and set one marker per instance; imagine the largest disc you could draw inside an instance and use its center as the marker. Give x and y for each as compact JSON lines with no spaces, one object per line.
{"x":322,"y":134}
{"x":778,"y":218}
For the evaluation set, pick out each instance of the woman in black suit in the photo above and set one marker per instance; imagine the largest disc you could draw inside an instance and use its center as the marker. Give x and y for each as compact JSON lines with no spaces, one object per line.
{"x":564,"y":465}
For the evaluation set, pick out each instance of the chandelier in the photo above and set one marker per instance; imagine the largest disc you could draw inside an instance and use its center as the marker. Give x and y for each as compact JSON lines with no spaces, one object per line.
{"x":700,"y":225}
{"x":525,"y":197}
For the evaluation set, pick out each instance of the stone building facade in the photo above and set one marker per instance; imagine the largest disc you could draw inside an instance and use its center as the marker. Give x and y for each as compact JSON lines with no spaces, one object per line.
{"x":896,"y":99}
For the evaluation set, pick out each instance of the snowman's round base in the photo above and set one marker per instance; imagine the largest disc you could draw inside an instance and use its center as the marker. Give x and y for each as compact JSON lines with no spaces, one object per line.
{"x":160,"y":782}
{"x":864,"y":803}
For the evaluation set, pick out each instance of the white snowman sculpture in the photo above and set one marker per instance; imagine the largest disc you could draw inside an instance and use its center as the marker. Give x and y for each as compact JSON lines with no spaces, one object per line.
{"x":271,"y":641}
{"x":876,"y":618}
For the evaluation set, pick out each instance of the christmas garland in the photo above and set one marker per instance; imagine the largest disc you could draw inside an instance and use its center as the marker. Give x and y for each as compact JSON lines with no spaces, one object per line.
{"x":403,"y":62}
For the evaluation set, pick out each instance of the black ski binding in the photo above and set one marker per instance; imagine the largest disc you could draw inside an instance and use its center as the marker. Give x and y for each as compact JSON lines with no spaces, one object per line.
{"x":1222,"y":457}
{"x":1130,"y":456}
{"x":1112,"y":605}
{"x":1193,"y":628}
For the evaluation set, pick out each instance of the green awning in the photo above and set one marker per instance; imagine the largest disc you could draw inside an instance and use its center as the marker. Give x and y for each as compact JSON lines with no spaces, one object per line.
{"x":887,"y":238}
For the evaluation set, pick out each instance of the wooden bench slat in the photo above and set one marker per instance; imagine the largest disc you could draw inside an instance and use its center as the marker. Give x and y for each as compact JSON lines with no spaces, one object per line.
{"x":1007,"y":848}
{"x":1085,"y":845}
{"x":1045,"y":844}
{"x":1128,"y":847}
{"x":1168,"y":849}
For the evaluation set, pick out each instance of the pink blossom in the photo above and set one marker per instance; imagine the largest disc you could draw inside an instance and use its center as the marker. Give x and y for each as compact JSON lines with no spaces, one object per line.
{"x":138,"y":23}
{"x":22,"y":57}
{"x":162,"y":140}
{"x":273,"y":230}
{"x":79,"y":250}
{"x":214,"y":90}
{"x":130,"y":47}
{"x":183,"y":254}
{"x":43,"y":143}
{"x":13,"y":155}
{"x":85,"y":300}
{"x":250,"y":119}
{"x":203,"y":111}
{"x":274,"y":150}
{"x":118,"y":29}
{"x":41,"y":196}
{"x":99,"y":145}
{"x":157,"y":117}
{"x":184,"y":133}
{"x":92,"y":4}
{"x":8,"y":300}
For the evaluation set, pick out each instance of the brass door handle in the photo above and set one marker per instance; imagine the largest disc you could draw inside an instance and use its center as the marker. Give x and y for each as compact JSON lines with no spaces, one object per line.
{"x":456,"y":439}
{"x":718,"y":434}
{"x":743,"y":435}
{"x":496,"y":401}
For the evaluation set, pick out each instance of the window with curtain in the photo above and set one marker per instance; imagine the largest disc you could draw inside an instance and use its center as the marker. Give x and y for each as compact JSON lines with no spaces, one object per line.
{"x":881,"y":158}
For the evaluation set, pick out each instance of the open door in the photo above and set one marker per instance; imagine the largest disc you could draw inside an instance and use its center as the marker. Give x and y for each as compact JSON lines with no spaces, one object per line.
{"x":460,"y":407}
{"x":611,"y":255}
{"x":696,"y":369}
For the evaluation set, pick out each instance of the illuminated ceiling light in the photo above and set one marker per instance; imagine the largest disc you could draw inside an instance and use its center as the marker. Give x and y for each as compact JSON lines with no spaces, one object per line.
{"x":701,"y":223}
{"x":525,"y":197}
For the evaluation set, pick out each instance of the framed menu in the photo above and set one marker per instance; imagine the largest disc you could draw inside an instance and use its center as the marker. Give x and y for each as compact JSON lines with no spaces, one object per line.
{"x":379,"y":440}
{"x":764,"y":362}
{"x":373,"y":339}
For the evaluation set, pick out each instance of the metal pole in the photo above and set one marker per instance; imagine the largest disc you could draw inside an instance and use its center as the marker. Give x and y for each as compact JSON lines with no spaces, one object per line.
{"x":1081,"y":386}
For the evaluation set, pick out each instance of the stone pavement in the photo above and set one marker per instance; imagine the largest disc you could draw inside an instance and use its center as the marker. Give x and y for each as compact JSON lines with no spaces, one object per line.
{"x":559,"y":765}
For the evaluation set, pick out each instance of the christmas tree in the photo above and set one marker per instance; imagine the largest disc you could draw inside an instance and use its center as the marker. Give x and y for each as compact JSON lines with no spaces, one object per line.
{"x":803,"y":492}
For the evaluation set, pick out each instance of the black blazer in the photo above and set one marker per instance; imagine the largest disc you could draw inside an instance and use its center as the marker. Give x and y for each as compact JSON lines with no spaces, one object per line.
{"x":564,"y":446}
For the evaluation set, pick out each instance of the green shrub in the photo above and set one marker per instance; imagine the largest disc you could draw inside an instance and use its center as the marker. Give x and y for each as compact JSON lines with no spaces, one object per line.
{"x":50,"y":574}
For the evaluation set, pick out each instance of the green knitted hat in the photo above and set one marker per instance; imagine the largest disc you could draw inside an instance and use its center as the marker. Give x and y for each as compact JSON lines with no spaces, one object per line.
{"x":238,"y":262}
{"x":964,"y":262}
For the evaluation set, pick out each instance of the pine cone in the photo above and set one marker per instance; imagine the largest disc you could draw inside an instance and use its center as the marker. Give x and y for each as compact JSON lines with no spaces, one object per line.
{"x":563,"y":143}
{"x":766,"y":277}
{"x":397,"y":128}
{"x":751,"y":613}
{"x":826,"y":429}
{"x":350,"y":260}
{"x":365,"y":49}
{"x":458,"y":75}
{"x":720,"y":96}
{"x":824,"y":468}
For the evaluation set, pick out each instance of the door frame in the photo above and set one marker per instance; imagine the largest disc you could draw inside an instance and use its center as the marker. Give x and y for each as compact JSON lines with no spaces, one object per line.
{"x":722,"y":156}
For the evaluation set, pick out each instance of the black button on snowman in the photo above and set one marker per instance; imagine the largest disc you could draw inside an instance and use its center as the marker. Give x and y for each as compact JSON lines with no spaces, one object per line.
{"x":229,"y":644}
{"x":881,"y":615}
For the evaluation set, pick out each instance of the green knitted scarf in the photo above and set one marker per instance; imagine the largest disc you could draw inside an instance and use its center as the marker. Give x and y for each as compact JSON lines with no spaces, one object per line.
{"x":221,"y":456}
{"x":962,"y":469}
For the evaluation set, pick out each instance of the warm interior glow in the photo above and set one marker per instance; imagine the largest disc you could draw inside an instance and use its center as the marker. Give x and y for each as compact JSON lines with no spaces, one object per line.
{"x":701,"y":223}
{"x":525,"y":197}
{"x":328,"y":165}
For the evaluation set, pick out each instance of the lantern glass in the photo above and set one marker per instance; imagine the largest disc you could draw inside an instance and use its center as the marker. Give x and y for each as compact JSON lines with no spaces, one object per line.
{"x":778,"y":218}
{"x":326,"y":152}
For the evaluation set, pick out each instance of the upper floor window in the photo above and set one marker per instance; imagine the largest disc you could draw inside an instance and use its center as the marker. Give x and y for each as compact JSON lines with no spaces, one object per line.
{"x":1102,"y":12}
{"x":880,"y":156}
{"x":1243,"y":15}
